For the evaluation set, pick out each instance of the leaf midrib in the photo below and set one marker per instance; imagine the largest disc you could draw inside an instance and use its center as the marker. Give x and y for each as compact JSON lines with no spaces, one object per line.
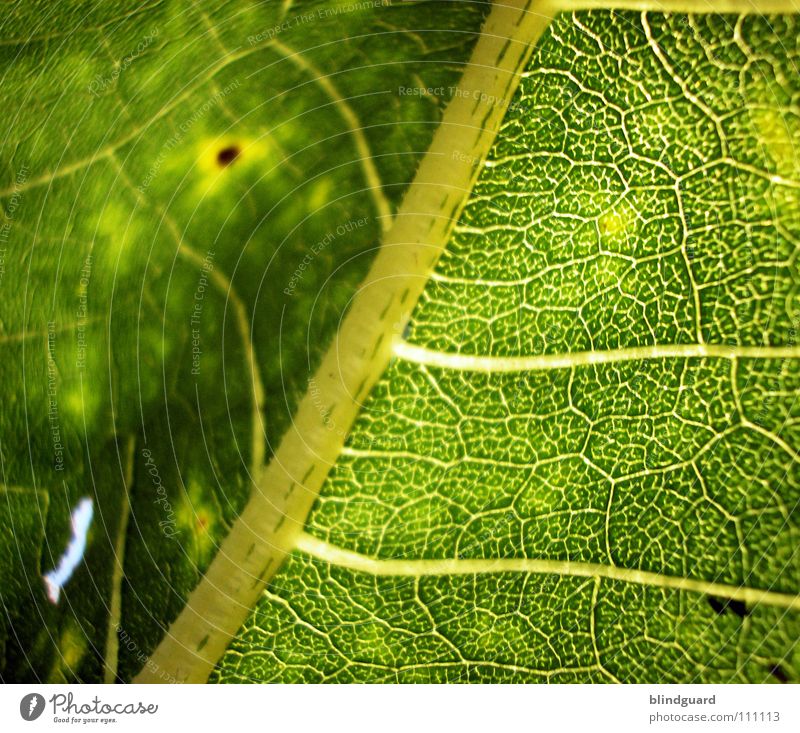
{"x":267,"y":528}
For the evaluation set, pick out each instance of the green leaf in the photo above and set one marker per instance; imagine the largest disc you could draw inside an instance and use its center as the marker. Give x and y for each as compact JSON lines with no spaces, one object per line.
{"x":190,"y":198}
{"x":581,"y":465}
{"x":22,"y":517}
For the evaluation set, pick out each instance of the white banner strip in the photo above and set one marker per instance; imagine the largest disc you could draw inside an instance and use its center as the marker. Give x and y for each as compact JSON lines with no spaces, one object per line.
{"x":401,"y":709}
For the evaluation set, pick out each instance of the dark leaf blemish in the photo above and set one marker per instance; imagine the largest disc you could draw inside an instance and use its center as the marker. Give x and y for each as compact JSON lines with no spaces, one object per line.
{"x":779,"y":673}
{"x":716,"y":604}
{"x":228,"y":155}
{"x":720,"y":605}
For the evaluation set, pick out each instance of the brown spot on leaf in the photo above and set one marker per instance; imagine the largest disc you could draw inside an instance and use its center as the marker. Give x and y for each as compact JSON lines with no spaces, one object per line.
{"x":228,"y":155}
{"x":721,"y":605}
{"x":716,"y":604}
{"x":779,"y":673}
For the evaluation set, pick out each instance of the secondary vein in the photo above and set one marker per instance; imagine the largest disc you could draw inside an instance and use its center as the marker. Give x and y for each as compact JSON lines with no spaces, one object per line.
{"x":338,"y":556}
{"x":693,"y":7}
{"x":495,"y":364}
{"x":115,"y":604}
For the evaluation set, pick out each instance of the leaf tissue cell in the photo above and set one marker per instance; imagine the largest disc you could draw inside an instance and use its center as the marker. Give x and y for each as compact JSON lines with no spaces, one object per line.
{"x":503,"y":368}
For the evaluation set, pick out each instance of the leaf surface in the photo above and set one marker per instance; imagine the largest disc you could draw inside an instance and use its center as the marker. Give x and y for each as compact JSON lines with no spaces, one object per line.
{"x":190,"y":197}
{"x":581,"y":466}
